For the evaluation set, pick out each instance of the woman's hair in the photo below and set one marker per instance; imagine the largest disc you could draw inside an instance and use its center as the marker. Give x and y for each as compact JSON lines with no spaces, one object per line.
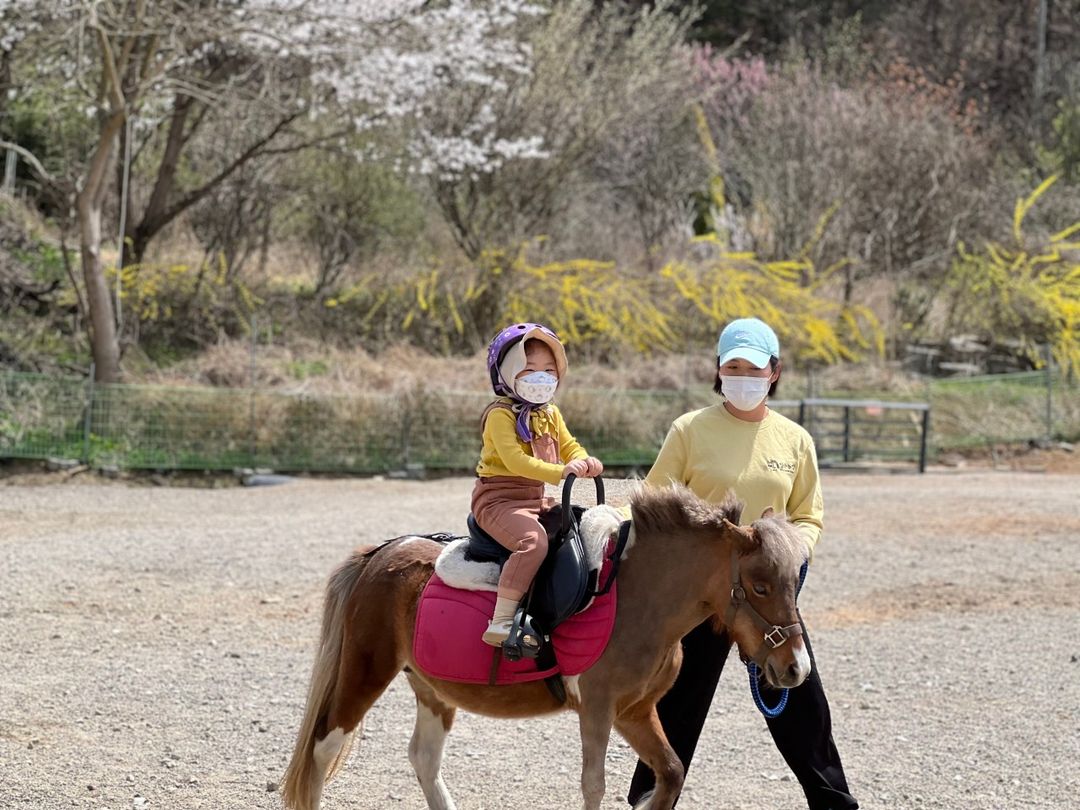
{"x":773,"y":363}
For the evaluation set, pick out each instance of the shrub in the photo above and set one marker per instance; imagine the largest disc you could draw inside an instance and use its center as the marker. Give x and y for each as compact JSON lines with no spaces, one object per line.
{"x":895,"y":157}
{"x":1025,"y":287}
{"x":176,"y":306}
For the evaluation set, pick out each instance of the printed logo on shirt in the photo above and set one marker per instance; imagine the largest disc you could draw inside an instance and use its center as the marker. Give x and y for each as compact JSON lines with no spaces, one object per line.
{"x":781,"y":466}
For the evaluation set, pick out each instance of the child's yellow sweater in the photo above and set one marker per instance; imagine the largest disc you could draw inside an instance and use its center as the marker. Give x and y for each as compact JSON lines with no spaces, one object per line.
{"x":504,"y":453}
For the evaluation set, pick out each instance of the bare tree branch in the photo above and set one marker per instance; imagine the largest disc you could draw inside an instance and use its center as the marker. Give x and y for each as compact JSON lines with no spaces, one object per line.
{"x":30,"y":158}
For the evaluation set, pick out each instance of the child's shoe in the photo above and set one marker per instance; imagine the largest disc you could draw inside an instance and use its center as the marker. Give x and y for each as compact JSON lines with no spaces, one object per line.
{"x":498,"y":631}
{"x":501,"y":621}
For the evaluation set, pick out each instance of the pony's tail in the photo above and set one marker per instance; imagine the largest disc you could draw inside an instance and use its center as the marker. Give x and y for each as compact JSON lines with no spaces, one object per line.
{"x":299,"y":776}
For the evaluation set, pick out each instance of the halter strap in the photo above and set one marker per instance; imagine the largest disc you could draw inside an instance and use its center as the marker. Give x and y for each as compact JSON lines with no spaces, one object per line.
{"x":773,"y":634}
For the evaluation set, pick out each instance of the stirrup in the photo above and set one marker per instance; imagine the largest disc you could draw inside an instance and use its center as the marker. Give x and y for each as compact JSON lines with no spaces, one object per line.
{"x":524,"y":640}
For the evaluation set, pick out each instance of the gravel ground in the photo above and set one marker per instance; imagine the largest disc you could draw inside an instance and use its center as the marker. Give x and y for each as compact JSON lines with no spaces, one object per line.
{"x":155,"y":645}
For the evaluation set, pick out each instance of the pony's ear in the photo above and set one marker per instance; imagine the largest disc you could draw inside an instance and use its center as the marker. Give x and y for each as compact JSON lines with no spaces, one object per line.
{"x":741,"y":536}
{"x":731,"y":507}
{"x":768,"y":513}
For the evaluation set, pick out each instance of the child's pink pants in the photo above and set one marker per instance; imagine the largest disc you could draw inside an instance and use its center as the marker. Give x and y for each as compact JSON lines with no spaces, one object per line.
{"x":508,"y":508}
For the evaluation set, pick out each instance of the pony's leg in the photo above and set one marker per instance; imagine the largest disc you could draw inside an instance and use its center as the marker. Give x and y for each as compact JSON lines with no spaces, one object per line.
{"x":594,"y":720}
{"x":327,"y":753}
{"x":363,"y":676}
{"x":434,"y":717}
{"x":357,"y":660}
{"x":640,"y":727}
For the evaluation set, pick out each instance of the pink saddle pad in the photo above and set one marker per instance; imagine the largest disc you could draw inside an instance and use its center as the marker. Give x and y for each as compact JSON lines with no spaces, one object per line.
{"x":447,"y":643}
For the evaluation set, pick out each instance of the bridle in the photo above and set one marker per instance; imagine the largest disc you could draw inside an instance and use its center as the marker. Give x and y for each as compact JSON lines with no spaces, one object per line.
{"x":773,"y":634}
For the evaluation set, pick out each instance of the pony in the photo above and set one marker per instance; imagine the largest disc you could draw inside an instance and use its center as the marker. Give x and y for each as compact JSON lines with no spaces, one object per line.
{"x":687,"y":560}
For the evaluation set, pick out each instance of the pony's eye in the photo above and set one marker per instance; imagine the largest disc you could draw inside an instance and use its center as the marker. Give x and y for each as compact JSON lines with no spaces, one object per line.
{"x":761,"y":590}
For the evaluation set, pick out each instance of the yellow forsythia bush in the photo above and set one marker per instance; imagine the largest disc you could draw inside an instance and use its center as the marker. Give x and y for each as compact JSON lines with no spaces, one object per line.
{"x":183,"y":303}
{"x":1026,"y":289}
{"x":600,"y":307}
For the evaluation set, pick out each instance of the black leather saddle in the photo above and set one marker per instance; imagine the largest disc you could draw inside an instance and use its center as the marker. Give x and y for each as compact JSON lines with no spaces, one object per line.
{"x":563,"y":585}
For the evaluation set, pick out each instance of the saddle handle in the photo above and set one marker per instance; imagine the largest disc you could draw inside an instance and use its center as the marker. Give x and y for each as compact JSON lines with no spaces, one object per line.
{"x":568,"y":486}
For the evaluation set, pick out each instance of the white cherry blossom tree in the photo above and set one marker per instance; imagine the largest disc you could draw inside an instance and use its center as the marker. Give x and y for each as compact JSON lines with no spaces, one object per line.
{"x":154,"y":72}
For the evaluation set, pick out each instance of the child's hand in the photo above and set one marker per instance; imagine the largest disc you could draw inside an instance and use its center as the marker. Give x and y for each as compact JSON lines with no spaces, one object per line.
{"x":576,"y":467}
{"x":595,"y":467}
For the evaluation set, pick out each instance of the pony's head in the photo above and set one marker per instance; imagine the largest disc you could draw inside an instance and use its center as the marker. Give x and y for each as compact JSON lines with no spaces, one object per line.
{"x":753,"y":574}
{"x":761,"y":616}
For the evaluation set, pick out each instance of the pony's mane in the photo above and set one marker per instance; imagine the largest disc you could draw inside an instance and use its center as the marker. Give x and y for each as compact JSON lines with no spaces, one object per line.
{"x":659,"y":509}
{"x":781,"y":541}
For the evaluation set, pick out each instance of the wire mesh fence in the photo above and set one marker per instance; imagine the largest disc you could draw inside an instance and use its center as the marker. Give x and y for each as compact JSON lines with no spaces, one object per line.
{"x":1006,"y":408}
{"x":170,"y":427}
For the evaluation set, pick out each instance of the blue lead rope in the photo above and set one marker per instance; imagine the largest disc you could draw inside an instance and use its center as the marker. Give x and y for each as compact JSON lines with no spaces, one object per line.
{"x":753,"y":672}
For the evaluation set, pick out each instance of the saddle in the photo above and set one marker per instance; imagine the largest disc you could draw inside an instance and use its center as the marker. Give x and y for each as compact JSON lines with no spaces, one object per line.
{"x":564,"y":584}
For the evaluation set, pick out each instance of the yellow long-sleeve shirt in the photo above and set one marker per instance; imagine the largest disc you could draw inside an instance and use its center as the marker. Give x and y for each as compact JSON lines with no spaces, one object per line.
{"x":768,"y":463}
{"x":504,"y":453}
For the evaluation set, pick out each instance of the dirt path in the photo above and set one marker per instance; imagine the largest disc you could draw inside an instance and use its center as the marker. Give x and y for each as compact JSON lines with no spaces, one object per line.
{"x":155,"y":645}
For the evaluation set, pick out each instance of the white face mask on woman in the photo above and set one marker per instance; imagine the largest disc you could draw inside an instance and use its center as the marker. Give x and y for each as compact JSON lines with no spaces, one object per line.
{"x":537,"y":388}
{"x":744,"y":393}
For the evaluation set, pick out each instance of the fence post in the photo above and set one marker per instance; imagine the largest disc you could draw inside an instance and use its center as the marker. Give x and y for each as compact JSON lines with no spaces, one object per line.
{"x":924,"y":439}
{"x":847,"y":433}
{"x":88,"y":410}
{"x":406,"y":423}
{"x":1049,"y":393}
{"x":802,"y":412}
{"x":686,"y":378}
{"x":251,"y":391}
{"x":10,"y":162}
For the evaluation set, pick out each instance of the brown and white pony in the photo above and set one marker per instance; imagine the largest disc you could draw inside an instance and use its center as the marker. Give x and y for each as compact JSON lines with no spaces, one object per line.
{"x":676,"y":574}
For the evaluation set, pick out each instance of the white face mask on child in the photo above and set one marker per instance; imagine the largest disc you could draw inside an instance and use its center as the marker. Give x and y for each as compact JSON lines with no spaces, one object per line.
{"x":537,"y":388}
{"x":744,"y":393}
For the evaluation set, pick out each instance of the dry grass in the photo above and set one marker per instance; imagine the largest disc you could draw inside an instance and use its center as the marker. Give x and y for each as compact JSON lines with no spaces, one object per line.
{"x":311,"y":367}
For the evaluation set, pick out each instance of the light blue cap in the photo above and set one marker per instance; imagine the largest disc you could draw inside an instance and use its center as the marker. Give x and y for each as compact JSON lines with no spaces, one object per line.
{"x":749,"y":338}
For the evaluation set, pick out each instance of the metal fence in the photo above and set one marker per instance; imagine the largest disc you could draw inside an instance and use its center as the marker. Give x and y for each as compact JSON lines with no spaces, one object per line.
{"x":848,"y":431}
{"x":1027,"y":406}
{"x":169,"y":427}
{"x":174,"y":428}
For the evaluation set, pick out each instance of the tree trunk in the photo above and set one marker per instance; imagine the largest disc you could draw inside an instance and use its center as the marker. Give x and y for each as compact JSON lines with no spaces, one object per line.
{"x":161,"y":210}
{"x":153,"y":217}
{"x":103,"y":339}
{"x":104,"y":342}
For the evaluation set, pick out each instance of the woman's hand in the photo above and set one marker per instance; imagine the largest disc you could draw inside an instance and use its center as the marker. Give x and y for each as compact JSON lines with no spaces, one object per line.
{"x":595,"y":467}
{"x":577,"y":467}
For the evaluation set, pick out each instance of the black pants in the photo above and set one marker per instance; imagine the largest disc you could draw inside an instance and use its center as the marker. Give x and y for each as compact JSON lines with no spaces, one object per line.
{"x":802,"y":732}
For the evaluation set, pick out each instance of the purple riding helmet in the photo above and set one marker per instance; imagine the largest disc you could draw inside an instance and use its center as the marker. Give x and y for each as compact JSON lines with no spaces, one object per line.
{"x":510,"y":336}
{"x":507,"y":350}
